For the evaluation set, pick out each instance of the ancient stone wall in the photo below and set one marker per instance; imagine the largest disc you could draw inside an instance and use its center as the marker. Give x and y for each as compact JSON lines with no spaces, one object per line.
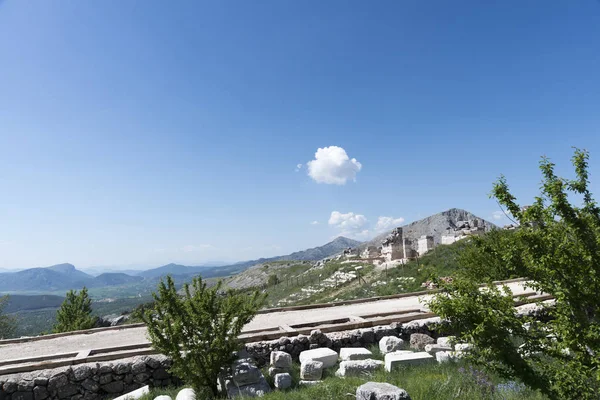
{"x":91,"y":381}
{"x":294,"y":345}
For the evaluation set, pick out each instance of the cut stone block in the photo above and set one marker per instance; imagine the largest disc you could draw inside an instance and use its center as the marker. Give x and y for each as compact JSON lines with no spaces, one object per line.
{"x":358,"y":367}
{"x":354,"y":353}
{"x":163,"y":397}
{"x":245,"y":373}
{"x":393,"y":361}
{"x":447,"y":356}
{"x":274,"y":371}
{"x":311,"y":370}
{"x":283,"y":381}
{"x":418,"y":341}
{"x":463,"y":346}
{"x":435,"y":348}
{"x":327,"y":356}
{"x":257,"y":389}
{"x":186,"y":394}
{"x":281,"y":359}
{"x":380,"y":391}
{"x":446,"y":341}
{"x":387,"y":344}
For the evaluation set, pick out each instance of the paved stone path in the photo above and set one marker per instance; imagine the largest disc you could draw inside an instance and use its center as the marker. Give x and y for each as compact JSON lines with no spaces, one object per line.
{"x":122,"y":337}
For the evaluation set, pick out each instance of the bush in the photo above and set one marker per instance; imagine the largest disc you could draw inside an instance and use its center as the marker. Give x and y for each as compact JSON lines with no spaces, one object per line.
{"x":200,"y":329}
{"x":557,"y":246}
{"x":75,"y":313}
{"x":7,"y":323}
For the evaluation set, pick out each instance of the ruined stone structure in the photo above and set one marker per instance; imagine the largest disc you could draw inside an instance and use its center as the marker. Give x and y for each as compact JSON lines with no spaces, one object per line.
{"x":370,"y":252}
{"x":463,"y":230}
{"x":397,"y":247}
{"x":350,"y":253}
{"x":425,"y":243}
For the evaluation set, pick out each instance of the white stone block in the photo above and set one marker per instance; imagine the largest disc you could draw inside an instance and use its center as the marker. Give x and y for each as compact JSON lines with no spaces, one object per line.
{"x":309,"y":383}
{"x":163,"y":397}
{"x":327,"y":356}
{"x":435,"y":348}
{"x":282,"y":381}
{"x":463,"y":346}
{"x":358,"y":367}
{"x":311,"y":370}
{"x":136,"y":394}
{"x":394,"y":360}
{"x":354,"y":353}
{"x":281,"y":359}
{"x":446,"y":341}
{"x":186,"y":394}
{"x":447,"y":356}
{"x":380,"y":391}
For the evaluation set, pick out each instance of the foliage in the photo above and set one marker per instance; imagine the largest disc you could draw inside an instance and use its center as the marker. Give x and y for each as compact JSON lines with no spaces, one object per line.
{"x":557,"y":246}
{"x":75,"y":313}
{"x":199,"y":330}
{"x":7,"y":323}
{"x":273,"y":280}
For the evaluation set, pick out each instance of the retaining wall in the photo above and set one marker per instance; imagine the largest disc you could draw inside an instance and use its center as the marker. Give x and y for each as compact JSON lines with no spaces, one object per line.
{"x":91,"y":381}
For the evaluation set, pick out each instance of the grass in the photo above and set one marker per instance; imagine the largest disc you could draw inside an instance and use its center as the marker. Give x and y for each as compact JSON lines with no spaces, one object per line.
{"x":426,"y":382}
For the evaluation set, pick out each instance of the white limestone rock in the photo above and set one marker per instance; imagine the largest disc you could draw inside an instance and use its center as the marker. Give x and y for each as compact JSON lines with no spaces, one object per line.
{"x":311,"y":370}
{"x":447,"y":341}
{"x":136,"y":394}
{"x":257,"y":389}
{"x":463,"y":346}
{"x":327,"y":356}
{"x":309,"y":383}
{"x":418,"y":341}
{"x":447,"y":356}
{"x":435,"y":348}
{"x":186,"y":394}
{"x":395,"y":360}
{"x":380,"y":391}
{"x":163,"y":397}
{"x":281,"y":359}
{"x":388,"y":344}
{"x":282,"y":381}
{"x":245,"y":373}
{"x":358,"y":367}
{"x":354,"y":353}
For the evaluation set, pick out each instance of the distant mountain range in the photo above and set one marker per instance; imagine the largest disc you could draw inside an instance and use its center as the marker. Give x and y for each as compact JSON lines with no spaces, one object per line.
{"x":66,"y":276}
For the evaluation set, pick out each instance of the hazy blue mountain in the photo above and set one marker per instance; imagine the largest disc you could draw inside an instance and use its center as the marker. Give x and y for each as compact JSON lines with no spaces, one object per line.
{"x":115,"y":279}
{"x":56,"y":277}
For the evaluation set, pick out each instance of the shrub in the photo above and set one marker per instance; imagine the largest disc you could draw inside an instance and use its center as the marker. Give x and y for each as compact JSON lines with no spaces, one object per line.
{"x":200,"y":329}
{"x":557,"y":246}
{"x":7,"y":323}
{"x":75,"y":313}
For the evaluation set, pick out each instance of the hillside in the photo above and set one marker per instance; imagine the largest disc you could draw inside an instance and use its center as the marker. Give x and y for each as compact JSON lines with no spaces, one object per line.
{"x":56,"y":277}
{"x":435,"y":225}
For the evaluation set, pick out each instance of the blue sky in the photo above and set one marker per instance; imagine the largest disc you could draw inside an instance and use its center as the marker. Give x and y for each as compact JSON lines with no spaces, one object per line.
{"x":146,"y":132}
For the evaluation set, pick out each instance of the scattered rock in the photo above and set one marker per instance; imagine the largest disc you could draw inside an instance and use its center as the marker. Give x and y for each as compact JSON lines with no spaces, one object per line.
{"x":309,"y":383}
{"x":446,"y":356}
{"x":447,"y":341}
{"x":358,"y":367}
{"x":163,"y":397}
{"x":311,"y":370}
{"x":395,"y":360}
{"x":418,"y":341}
{"x":380,"y":391}
{"x":327,"y":356}
{"x":257,"y":389}
{"x":435,"y":348}
{"x":281,"y":359}
{"x":387,"y":344}
{"x":186,"y":394}
{"x":245,"y":373}
{"x":354,"y":353}
{"x":283,"y":381}
{"x":463,"y":346}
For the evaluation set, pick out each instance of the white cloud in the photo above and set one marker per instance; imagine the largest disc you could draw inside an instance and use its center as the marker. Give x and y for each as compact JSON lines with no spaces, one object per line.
{"x":349,"y":224}
{"x":498,"y":215}
{"x":315,"y":223}
{"x":333,"y":166}
{"x":388,"y":223}
{"x":298,"y":167}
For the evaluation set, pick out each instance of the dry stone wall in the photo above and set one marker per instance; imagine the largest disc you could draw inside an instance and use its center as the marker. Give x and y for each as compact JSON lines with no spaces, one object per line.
{"x":91,"y":381}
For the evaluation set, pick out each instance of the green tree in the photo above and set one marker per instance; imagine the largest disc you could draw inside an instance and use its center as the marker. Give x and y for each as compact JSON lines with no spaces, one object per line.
{"x":199,"y":330}
{"x":75,"y":313}
{"x":557,"y":246}
{"x":273,"y":280}
{"x":7,"y":323}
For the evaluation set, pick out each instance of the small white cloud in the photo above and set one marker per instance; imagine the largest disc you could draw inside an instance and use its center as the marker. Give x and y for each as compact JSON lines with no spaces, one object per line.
{"x":298,"y":167}
{"x":350,"y":224}
{"x":190,"y":248}
{"x":498,"y":215}
{"x":333,"y":166}
{"x":387,"y":223}
{"x":315,"y":223}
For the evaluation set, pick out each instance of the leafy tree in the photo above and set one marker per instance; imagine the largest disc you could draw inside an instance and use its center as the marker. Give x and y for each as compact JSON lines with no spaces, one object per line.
{"x":200,"y":329}
{"x":7,"y":323}
{"x":75,"y":313}
{"x":273,"y":280}
{"x":557,"y":246}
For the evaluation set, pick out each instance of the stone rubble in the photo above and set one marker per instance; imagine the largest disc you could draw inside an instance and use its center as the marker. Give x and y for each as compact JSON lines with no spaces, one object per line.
{"x":358,"y":367}
{"x":311,"y":370}
{"x":380,"y":391}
